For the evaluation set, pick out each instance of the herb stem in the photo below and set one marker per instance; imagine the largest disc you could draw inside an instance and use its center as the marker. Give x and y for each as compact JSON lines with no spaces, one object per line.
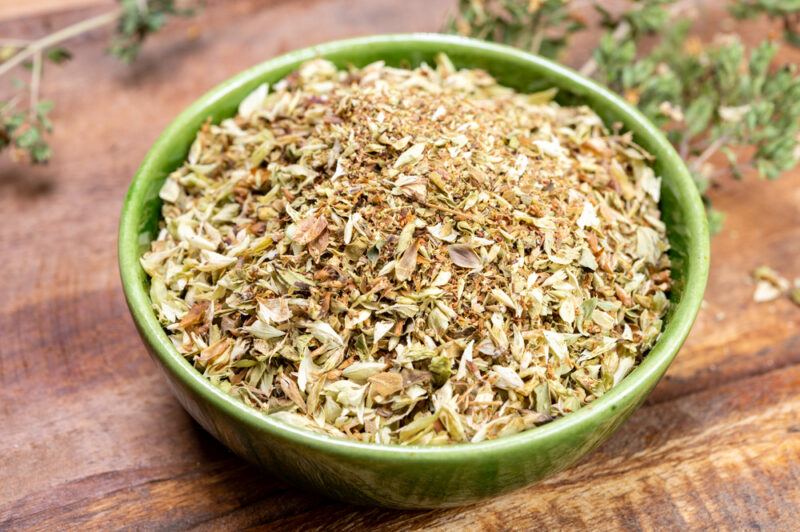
{"x":716,"y":174}
{"x":61,"y":35}
{"x":683,"y":149}
{"x":538,"y":34}
{"x":36,"y":80}
{"x":9,"y":104}
{"x":710,"y":150}
{"x":14,"y":43}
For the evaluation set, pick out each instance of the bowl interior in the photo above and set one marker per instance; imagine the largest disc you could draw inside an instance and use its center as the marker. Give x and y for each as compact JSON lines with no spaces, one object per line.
{"x":681,"y":206}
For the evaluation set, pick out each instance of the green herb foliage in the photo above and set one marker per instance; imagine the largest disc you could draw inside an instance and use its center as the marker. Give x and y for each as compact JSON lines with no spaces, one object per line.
{"x":541,"y":27}
{"x":26,"y":130}
{"x":714,"y":96}
{"x":24,"y":123}
{"x":135,"y":24}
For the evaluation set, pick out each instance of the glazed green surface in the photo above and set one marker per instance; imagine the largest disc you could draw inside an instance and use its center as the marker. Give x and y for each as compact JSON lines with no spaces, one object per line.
{"x":399,"y":476}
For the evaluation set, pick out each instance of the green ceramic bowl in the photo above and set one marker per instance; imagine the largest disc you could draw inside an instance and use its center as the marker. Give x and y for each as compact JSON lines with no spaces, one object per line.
{"x":392,"y":475}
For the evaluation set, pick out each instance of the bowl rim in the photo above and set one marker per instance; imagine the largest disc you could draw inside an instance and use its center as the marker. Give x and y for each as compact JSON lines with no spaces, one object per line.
{"x":635,"y":384}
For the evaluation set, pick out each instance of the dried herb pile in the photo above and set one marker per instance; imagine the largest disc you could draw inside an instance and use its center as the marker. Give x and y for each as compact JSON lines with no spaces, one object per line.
{"x":411,"y":256}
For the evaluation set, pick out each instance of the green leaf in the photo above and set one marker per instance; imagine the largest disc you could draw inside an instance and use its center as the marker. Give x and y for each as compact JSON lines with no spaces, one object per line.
{"x":136,"y":23}
{"x":44,"y":106}
{"x":733,"y":161}
{"x":701,"y":182}
{"x":40,"y":153}
{"x":792,"y":37}
{"x":29,"y":138}
{"x":698,"y":114}
{"x":716,"y":219}
{"x":59,"y":55}
{"x":649,"y":18}
{"x":544,"y":28}
{"x":440,"y":367}
{"x":15,"y":121}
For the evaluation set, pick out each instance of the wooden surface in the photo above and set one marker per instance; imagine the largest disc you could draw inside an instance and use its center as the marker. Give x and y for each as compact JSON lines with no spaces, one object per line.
{"x":91,"y":437}
{"x":11,"y":9}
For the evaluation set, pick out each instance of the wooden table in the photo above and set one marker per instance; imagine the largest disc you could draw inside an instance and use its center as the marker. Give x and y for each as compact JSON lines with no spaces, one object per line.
{"x":91,"y":437}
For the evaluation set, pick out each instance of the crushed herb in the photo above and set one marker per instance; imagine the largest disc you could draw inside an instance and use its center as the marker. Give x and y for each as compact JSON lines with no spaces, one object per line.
{"x":770,"y":285}
{"x":411,"y":256}
{"x":794,"y":293}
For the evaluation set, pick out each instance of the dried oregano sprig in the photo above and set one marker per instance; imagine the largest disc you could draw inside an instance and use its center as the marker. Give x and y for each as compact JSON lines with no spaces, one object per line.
{"x":24,"y":117}
{"x":411,"y":256}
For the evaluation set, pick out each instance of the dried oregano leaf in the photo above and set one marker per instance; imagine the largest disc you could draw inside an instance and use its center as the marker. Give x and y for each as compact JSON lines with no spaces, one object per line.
{"x":410,"y":256}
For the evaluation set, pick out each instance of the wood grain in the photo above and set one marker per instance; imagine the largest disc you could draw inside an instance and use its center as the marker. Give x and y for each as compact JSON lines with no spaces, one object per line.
{"x":91,"y":438}
{"x":13,"y":9}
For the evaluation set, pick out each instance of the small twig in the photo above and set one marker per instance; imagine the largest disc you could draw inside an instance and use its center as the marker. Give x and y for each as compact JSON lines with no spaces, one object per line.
{"x":61,"y":35}
{"x":6,"y":105}
{"x":719,"y":172}
{"x":15,"y":43}
{"x":683,"y":150}
{"x":538,"y":34}
{"x":36,"y":80}
{"x":710,"y":150}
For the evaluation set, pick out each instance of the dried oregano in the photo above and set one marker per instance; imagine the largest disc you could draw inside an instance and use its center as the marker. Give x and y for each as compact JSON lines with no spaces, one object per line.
{"x":411,"y":256}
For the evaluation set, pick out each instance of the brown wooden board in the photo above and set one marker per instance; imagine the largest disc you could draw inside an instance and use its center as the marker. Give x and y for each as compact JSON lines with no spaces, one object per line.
{"x":91,"y":437}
